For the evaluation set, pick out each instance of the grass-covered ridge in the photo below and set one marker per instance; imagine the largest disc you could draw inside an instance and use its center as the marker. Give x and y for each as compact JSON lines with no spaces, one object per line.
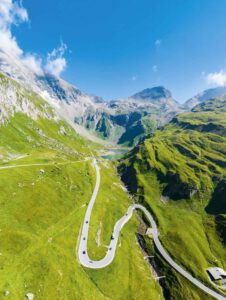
{"x":180,"y":175}
{"x":42,"y":209}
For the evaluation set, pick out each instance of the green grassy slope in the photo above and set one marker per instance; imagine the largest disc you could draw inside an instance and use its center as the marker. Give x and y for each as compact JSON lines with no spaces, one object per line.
{"x":128,"y":277}
{"x":180,"y":175}
{"x":124,"y":128}
{"x":42,"y":210}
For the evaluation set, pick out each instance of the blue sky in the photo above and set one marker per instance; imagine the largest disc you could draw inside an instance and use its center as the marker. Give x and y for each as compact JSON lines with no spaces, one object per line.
{"x":118,"y":47}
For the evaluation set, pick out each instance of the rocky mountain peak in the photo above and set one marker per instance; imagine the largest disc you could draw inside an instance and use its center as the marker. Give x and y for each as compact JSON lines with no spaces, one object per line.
{"x":154,"y":93}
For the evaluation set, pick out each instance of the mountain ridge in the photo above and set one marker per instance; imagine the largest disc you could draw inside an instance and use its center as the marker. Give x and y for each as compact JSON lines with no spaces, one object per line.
{"x":121,"y":121}
{"x":91,"y":115}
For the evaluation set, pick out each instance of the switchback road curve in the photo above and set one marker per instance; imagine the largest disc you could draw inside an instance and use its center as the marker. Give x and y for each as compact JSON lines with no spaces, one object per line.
{"x":87,"y":262}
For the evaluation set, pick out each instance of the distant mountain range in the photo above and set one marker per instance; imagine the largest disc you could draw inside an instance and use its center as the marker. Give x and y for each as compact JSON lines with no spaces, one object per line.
{"x":205,"y":95}
{"x":123,"y":121}
{"x":126,"y":121}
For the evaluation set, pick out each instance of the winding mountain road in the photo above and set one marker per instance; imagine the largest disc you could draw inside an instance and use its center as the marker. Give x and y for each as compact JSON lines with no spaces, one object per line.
{"x":40,"y":164}
{"x":87,"y":262}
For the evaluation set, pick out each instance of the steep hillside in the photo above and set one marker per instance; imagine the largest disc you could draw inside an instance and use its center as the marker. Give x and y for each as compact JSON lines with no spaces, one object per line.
{"x":179,"y":174}
{"x":46,"y":181}
{"x":66,"y":98}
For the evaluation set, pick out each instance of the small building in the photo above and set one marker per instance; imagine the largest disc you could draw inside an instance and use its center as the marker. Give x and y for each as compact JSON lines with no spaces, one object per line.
{"x":149,"y":232}
{"x":216,"y":273}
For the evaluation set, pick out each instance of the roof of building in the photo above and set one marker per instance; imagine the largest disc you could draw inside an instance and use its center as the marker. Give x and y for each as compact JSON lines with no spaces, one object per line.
{"x":216,"y":273}
{"x":149,"y":231}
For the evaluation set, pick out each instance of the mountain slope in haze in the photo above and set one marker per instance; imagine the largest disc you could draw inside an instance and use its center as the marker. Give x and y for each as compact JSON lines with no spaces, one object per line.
{"x":152,"y":94}
{"x":179,"y":174}
{"x":123,"y":121}
{"x":127,"y":121}
{"x":53,"y":89}
{"x":203,"y":96}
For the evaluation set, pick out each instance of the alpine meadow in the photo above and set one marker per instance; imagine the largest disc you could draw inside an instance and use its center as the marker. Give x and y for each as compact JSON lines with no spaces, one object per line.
{"x":115,"y":190}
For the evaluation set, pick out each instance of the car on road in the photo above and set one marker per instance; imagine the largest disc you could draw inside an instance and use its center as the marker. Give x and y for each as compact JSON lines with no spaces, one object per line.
{"x":84,"y":252}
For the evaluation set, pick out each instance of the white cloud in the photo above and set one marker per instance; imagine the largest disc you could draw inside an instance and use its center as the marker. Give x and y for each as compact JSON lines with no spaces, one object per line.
{"x":33,"y":63}
{"x":56,"y":63}
{"x":203,"y":74}
{"x":216,"y":78}
{"x":155,"y":68}
{"x":158,"y":43}
{"x":134,"y":78}
{"x":9,"y":44}
{"x":12,"y":13}
{"x":19,"y":13}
